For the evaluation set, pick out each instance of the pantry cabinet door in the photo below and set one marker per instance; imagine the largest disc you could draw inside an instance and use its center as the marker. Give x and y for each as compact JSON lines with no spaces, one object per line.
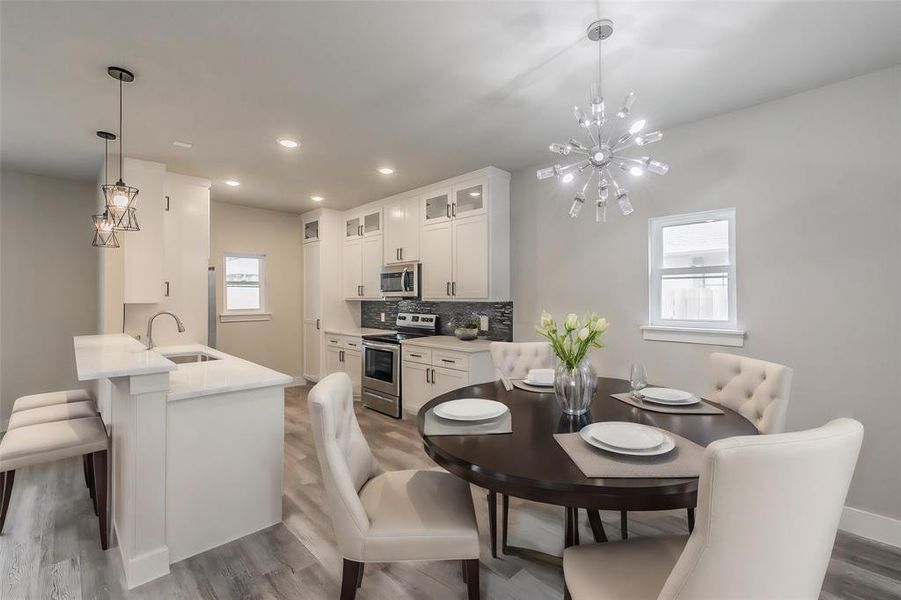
{"x":437,"y":261}
{"x":352,"y":269}
{"x":470,"y":240}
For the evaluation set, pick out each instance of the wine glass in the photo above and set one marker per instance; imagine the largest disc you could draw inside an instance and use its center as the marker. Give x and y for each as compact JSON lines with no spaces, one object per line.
{"x":638,"y":379}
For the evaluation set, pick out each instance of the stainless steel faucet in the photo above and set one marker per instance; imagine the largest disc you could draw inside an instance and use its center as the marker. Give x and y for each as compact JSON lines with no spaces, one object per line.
{"x":149,"y":337}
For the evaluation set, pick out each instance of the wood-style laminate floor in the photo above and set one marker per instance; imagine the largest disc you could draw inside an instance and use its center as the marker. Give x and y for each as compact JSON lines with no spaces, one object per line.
{"x":50,"y":548}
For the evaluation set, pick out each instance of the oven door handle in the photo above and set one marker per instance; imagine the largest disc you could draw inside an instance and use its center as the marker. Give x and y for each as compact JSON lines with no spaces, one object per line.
{"x":380,"y":346}
{"x":369,"y":392}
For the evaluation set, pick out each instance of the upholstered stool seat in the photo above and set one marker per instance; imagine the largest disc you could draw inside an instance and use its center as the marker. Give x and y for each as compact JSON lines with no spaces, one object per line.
{"x":51,"y":398}
{"x":49,"y":414}
{"x":30,"y":445}
{"x":419,"y":515}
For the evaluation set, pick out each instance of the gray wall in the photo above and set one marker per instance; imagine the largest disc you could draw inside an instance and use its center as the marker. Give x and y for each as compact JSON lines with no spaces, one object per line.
{"x":48,"y":282}
{"x":815,"y":181}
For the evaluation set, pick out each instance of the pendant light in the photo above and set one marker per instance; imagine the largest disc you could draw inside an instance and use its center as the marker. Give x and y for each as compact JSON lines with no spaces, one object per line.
{"x":120,"y":198}
{"x":104,"y":232}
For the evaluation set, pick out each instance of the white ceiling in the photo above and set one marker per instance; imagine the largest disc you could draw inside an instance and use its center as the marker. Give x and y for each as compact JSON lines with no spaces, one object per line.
{"x":434,"y":89}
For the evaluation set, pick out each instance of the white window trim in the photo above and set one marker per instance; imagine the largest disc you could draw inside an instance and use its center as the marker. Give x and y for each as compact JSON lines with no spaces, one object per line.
{"x":721,"y":333}
{"x":256,"y":314}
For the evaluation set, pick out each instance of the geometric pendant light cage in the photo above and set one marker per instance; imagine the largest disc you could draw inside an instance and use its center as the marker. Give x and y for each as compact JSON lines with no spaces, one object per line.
{"x":120,"y":198}
{"x":104,"y":223}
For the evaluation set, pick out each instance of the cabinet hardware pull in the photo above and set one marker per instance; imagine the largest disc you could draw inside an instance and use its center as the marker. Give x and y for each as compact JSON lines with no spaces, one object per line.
{"x":416,"y":355}
{"x":447,"y":209}
{"x":448,"y":288}
{"x":167,"y":204}
{"x":167,"y":289}
{"x":340,"y":355}
{"x":427,"y":376}
{"x":397,"y":254}
{"x":454,"y":209}
{"x":433,"y":375}
{"x":447,"y":360}
{"x":401,"y":253}
{"x":317,"y":324}
{"x":453,"y":288}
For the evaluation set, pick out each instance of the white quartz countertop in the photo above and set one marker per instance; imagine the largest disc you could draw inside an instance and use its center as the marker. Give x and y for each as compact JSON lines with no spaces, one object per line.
{"x":116,"y":355}
{"x":356,"y":331}
{"x":228,"y":374}
{"x":448,"y":342}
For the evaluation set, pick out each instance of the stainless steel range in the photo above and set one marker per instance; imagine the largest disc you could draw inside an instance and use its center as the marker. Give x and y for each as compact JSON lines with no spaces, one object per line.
{"x":381,"y":362}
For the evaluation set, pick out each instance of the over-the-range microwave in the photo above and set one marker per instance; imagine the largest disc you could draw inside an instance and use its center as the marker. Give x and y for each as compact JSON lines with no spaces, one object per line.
{"x":400,"y":281}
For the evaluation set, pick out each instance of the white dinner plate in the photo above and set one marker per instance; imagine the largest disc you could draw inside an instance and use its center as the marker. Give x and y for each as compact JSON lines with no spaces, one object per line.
{"x":470,"y":409}
{"x":667,"y":445}
{"x":669,"y":396}
{"x":627,"y":436}
{"x":541,"y":377}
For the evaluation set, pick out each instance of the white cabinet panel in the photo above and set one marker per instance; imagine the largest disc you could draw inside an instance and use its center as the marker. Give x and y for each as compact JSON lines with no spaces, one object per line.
{"x":333,"y":363}
{"x":470,"y":198}
{"x":437,"y":261}
{"x":371,"y":264}
{"x":144,"y":252}
{"x":311,"y":300}
{"x":402,"y":230}
{"x":311,"y":346}
{"x":471,"y":258}
{"x":417,"y":388}
{"x":436,"y":206}
{"x":353,"y":366}
{"x":352,"y":268}
{"x":447,"y":380}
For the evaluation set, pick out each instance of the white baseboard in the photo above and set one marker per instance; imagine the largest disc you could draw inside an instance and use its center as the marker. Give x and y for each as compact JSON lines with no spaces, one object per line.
{"x":871,"y":526}
{"x":144,"y":567}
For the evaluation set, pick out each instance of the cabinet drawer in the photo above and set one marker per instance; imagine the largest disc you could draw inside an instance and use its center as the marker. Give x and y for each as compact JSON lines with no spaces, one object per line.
{"x":418,"y":355}
{"x":352,"y":343}
{"x":450,"y":360}
{"x":333,"y":340}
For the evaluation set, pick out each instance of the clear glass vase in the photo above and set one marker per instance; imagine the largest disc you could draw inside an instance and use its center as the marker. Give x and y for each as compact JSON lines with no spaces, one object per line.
{"x":574,"y":388}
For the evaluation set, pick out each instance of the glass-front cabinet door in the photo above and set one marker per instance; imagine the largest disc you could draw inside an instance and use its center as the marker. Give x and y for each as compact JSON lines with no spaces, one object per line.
{"x":372,"y":223}
{"x":311,"y":231}
{"x":469,"y":198}
{"x":436,"y":206}
{"x":352,"y":227}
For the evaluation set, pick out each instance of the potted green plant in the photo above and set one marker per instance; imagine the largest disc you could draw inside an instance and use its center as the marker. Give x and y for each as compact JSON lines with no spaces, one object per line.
{"x":574,"y":379}
{"x":466,"y":328}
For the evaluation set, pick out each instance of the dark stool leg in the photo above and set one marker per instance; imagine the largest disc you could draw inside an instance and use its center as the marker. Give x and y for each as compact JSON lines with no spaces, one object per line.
{"x":89,"y":466}
{"x":505,"y":515}
{"x":597,"y":527}
{"x":691,"y":520}
{"x":87,"y":478}
{"x":569,"y":537}
{"x":624,"y":524}
{"x":471,"y":569}
{"x":6,"y":492}
{"x":350,"y":575}
{"x":101,"y":484}
{"x":492,"y":521}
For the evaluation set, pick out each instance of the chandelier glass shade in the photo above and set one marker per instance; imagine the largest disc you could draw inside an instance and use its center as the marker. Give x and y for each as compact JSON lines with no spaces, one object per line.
{"x":104,"y":232}
{"x":600,"y":160}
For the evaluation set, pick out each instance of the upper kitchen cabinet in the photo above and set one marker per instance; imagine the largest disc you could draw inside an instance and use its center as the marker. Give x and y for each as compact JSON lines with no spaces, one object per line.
{"x":311,"y":231}
{"x":144,"y":254}
{"x":466,"y":250}
{"x":402,"y":230}
{"x":365,"y":223}
{"x":361,"y":265}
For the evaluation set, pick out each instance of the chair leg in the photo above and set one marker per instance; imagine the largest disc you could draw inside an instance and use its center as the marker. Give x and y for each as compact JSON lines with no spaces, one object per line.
{"x":471,"y":571}
{"x":6,"y":492}
{"x":89,"y":465}
{"x":492,"y":521}
{"x":101,"y":485}
{"x":87,"y":478}
{"x":505,"y":516}
{"x":360,"y":575}
{"x":350,"y":576}
{"x":691,"y":520}
{"x":597,"y":527}
{"x":571,"y":520}
{"x":624,"y":524}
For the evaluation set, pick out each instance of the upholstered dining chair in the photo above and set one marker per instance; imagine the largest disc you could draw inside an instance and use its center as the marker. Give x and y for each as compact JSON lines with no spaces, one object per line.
{"x":383,"y":516}
{"x":513,"y":360}
{"x":768,"y":510}
{"x":756,"y":389}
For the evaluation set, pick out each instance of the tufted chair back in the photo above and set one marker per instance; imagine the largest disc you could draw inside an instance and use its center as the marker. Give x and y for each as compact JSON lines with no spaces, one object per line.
{"x":768,"y":509}
{"x":513,"y":360}
{"x":344,"y":458}
{"x":757,"y":389}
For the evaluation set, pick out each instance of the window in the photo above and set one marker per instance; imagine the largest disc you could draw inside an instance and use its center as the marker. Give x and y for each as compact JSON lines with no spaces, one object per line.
{"x":692,"y":278}
{"x":245,"y":288}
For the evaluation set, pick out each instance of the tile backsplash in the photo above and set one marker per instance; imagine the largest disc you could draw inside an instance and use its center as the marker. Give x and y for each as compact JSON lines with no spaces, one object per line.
{"x":500,"y":314}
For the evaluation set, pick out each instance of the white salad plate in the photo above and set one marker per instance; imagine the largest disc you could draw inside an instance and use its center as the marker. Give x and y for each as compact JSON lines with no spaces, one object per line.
{"x":470,"y":409}
{"x":588,"y":434}
{"x":669,"y":396}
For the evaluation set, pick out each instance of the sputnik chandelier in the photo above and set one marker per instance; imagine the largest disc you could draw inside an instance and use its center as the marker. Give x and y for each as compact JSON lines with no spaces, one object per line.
{"x":602,"y":156}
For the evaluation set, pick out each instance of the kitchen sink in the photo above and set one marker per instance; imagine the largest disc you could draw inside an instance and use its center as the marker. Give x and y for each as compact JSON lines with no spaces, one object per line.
{"x":190,"y":357}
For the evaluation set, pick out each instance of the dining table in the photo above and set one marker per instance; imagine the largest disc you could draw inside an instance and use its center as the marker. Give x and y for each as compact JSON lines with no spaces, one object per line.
{"x":529,"y":463}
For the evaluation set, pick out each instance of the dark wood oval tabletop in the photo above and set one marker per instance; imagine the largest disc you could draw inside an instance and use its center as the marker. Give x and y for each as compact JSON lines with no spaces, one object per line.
{"x":529,"y":463}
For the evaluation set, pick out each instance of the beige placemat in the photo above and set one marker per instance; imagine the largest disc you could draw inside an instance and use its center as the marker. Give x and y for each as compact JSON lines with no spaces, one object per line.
{"x":701,"y":408}
{"x":435,"y":425}
{"x":684,"y":460}
{"x":519,"y":383}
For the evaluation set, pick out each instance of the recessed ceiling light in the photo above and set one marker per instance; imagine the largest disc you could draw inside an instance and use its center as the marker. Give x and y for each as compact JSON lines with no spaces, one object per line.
{"x":317,"y":198}
{"x":386,"y":170}
{"x":182,"y":144}
{"x":232,"y":182}
{"x":288,"y":143}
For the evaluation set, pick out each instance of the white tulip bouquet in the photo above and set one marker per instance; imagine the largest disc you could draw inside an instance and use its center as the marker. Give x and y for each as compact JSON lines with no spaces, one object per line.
{"x":572,"y":343}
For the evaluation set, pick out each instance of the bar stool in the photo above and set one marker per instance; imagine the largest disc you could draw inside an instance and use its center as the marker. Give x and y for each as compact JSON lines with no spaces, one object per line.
{"x":29,"y":445}
{"x":51,"y":399}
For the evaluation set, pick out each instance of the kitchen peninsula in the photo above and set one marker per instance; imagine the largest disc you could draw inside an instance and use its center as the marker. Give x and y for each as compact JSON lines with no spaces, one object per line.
{"x":197,"y":440}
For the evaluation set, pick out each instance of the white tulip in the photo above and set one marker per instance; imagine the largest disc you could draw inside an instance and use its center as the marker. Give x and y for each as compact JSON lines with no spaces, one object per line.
{"x":572,"y":321}
{"x":600,"y":325}
{"x":546,"y":319}
{"x":584,"y":333}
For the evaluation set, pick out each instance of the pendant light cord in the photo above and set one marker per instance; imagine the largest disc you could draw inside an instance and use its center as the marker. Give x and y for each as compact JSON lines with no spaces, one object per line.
{"x":120,"y":127}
